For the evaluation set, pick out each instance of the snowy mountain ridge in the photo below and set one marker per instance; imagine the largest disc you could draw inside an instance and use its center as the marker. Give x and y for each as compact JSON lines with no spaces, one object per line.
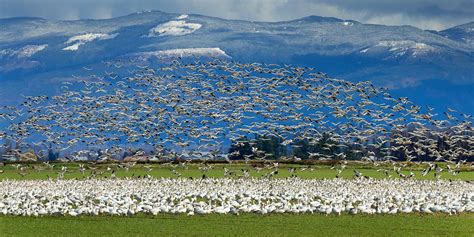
{"x":433,"y":67}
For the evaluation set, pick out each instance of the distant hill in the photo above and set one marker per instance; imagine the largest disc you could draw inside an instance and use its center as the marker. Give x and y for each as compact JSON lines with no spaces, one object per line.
{"x":432,"y":68}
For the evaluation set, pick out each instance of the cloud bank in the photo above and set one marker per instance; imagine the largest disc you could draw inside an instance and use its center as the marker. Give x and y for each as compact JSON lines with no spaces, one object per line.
{"x":425,"y":14}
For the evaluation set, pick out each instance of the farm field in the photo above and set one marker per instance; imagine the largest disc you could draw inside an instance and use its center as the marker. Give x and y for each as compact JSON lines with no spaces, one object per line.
{"x":243,"y":225}
{"x":168,"y":170}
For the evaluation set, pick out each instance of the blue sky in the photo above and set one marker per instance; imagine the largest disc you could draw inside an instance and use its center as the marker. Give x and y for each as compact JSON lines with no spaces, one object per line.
{"x":425,"y":14}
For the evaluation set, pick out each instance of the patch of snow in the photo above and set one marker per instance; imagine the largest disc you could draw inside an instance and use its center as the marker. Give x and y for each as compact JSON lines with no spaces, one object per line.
{"x":174,"y":28}
{"x":24,"y":52}
{"x":402,"y":47}
{"x":189,"y":52}
{"x":181,"y":17}
{"x":143,"y":12}
{"x":420,"y":48}
{"x":30,"y":50}
{"x":6,"y":52}
{"x":348,"y":23}
{"x":79,"y":40}
{"x":73,"y":47}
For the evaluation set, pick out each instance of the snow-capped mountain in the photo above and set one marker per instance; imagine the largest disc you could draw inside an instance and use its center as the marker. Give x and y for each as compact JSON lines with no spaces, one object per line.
{"x":433,"y":68}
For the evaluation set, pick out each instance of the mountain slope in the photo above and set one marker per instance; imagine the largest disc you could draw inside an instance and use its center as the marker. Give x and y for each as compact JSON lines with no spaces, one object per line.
{"x":462,"y":33}
{"x":36,"y":54}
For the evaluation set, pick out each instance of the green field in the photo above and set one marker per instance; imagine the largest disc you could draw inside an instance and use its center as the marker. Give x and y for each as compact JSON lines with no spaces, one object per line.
{"x":318,"y":171}
{"x":244,"y":225}
{"x":231,"y":225}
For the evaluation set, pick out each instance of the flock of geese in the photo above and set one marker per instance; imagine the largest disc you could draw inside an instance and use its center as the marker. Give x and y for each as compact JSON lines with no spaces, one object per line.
{"x":185,"y":110}
{"x":202,"y":169}
{"x":152,"y":196}
{"x":195,"y":109}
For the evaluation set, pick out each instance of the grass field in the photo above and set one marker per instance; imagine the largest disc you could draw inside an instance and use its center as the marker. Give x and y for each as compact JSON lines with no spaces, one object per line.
{"x":244,"y":225}
{"x":39,"y":171}
{"x":231,"y":225}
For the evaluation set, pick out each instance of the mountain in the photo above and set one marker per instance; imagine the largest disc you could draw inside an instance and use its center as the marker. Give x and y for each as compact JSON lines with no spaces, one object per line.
{"x":462,"y":33}
{"x":432,"y":68}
